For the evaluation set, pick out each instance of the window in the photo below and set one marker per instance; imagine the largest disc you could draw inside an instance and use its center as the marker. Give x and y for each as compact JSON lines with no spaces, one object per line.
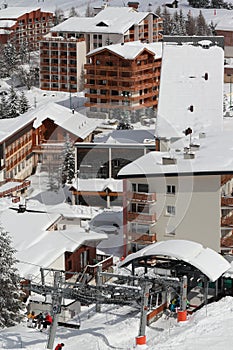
{"x":171,"y":189}
{"x":170,"y":232}
{"x":139,"y":208}
{"x":171,"y":210}
{"x":140,"y":228}
{"x":140,"y":188}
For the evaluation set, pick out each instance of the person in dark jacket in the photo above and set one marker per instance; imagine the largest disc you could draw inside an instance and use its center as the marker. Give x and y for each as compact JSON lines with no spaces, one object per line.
{"x":47,"y":322}
{"x":59,"y":346}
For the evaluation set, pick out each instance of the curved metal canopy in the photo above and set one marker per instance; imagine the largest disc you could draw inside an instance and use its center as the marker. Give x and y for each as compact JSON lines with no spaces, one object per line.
{"x":209,"y":262}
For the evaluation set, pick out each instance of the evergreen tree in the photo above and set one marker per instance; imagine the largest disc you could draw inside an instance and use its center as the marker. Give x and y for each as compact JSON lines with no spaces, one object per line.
{"x":10,"y":294}
{"x":23,"y":103}
{"x":167,"y":23}
{"x":73,"y":12}
{"x":68,"y":165}
{"x":190,"y":24}
{"x":24,"y":52}
{"x":202,"y":27}
{"x":212,"y":27}
{"x":89,"y":11}
{"x":58,"y":16}
{"x":82,"y":79}
{"x":13,"y":104}
{"x":4,"y":108}
{"x":158,"y":11}
{"x":11,"y":57}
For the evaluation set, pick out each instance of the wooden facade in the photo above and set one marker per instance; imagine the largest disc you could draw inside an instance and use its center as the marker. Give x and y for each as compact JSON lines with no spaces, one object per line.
{"x":62,"y":54}
{"x":17,"y":154}
{"x":115,"y":82}
{"x":29,"y":27}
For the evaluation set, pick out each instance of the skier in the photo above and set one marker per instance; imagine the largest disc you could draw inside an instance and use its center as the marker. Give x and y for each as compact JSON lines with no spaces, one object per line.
{"x":59,"y":346}
{"x":47,"y":322}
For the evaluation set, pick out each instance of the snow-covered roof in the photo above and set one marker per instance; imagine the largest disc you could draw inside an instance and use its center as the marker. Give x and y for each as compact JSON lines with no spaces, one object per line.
{"x":75,"y":123}
{"x":31,"y":241}
{"x":191,"y":89}
{"x":10,"y":126}
{"x":4,"y":23}
{"x":125,"y":136}
{"x":16,"y":12}
{"x":212,"y":264}
{"x":131,"y":50}
{"x":110,"y":20}
{"x":225,"y":23}
{"x":99,"y":185}
{"x":215,"y":156}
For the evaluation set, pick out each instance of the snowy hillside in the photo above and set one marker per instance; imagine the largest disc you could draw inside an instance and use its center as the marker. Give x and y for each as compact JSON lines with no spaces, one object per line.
{"x":81,"y":5}
{"x":117,"y":327}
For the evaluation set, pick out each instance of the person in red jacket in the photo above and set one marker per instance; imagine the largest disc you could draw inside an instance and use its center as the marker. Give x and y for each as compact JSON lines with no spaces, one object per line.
{"x":47,"y":322}
{"x":59,"y":346}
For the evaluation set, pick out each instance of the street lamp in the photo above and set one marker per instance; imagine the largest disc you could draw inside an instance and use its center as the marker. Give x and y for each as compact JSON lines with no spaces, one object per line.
{"x":77,"y":185}
{"x":229,"y":75}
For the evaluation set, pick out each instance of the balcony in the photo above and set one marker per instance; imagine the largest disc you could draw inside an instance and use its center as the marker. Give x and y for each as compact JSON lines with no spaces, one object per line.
{"x":227,"y":221}
{"x":144,"y":238}
{"x":148,"y":218}
{"x":141,"y":197}
{"x":227,"y":201}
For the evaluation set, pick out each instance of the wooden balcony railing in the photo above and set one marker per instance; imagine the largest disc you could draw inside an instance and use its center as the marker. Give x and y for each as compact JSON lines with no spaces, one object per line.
{"x":14,"y":188}
{"x":227,"y":221}
{"x":141,"y":197}
{"x":226,"y":201}
{"x":149,"y":218}
{"x":144,"y":238}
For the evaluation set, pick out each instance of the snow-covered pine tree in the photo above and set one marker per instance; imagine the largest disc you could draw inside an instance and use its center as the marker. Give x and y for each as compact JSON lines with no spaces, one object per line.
{"x":89,"y":11}
{"x":158,"y":11}
{"x":13,"y":104}
{"x":73,"y":12}
{"x":11,"y":57}
{"x":4,"y":108}
{"x":68,"y":164}
{"x":167,"y":23}
{"x":10,"y":293}
{"x":190,"y":24}
{"x":24,"y":51}
{"x":81,"y":79}
{"x":202,"y":27}
{"x":23,"y":103}
{"x":58,"y":16}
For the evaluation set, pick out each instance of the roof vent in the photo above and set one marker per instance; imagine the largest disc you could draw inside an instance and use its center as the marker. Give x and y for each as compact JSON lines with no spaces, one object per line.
{"x":194,"y":147}
{"x":202,"y":135}
{"x":189,"y":155}
{"x":168,"y":160}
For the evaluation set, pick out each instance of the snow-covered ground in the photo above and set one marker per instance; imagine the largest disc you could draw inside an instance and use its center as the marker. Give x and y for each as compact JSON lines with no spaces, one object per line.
{"x":117,"y":327}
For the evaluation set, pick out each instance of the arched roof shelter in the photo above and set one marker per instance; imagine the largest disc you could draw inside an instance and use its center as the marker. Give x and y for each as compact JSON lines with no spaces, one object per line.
{"x":208,"y":261}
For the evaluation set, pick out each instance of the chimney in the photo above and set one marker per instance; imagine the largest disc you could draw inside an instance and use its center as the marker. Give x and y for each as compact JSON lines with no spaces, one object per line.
{"x":133,"y":4}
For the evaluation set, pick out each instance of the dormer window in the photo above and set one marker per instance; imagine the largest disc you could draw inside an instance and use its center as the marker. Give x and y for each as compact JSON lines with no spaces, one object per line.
{"x":102,"y":24}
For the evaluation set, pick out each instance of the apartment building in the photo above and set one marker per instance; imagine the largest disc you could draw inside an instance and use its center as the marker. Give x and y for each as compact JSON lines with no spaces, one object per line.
{"x":16,"y":147}
{"x":175,"y":192}
{"x":23,"y":24}
{"x":66,"y":45}
{"x":123,"y":77}
{"x":180,"y":196}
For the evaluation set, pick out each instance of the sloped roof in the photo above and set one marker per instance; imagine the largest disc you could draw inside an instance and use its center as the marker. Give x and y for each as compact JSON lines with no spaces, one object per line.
{"x":131,"y":50}
{"x":116,"y":19}
{"x":15,"y":12}
{"x":75,"y":123}
{"x":190,"y":78}
{"x":212,"y":264}
{"x":10,"y":126}
{"x":126,"y":136}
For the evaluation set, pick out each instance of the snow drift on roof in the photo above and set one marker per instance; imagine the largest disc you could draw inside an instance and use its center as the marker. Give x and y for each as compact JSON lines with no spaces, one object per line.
{"x":212,"y":264}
